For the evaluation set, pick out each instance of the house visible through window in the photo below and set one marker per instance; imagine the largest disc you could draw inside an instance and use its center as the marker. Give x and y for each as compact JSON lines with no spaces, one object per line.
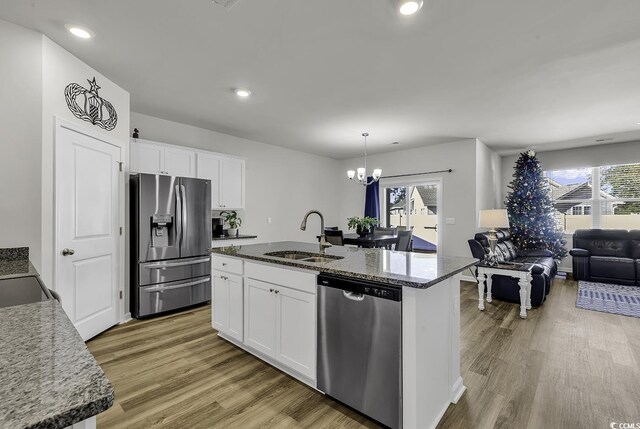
{"x":614,"y":192}
{"x":419,"y":211}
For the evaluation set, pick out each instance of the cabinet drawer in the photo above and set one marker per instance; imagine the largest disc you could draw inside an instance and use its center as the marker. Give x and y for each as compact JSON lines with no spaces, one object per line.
{"x":230,"y":265}
{"x":298,"y":280}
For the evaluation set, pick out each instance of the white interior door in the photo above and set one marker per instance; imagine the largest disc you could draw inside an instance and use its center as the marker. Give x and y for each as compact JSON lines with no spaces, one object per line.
{"x":88,"y":230}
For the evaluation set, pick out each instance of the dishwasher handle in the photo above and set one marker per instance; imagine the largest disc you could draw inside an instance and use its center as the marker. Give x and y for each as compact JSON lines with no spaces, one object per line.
{"x":356,"y":289}
{"x":353,"y":296}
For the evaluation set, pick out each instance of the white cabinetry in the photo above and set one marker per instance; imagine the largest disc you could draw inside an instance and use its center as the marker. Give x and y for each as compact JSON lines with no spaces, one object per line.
{"x":232,"y":183}
{"x":225,"y":172}
{"x":227,"y":178}
{"x":155,"y":158}
{"x":227,"y":299}
{"x":179,"y":162}
{"x":270,"y":311}
{"x":296,"y":330}
{"x":280,"y":316}
{"x":260,"y":317}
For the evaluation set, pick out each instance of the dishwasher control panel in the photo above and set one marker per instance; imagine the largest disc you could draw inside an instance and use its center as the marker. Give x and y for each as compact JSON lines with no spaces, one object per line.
{"x":362,"y":287}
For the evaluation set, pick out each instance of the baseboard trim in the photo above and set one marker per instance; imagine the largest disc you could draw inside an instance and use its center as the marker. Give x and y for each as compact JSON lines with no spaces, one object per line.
{"x":457,"y":390}
{"x":302,"y":378}
{"x":467,"y":278}
{"x":126,"y":319}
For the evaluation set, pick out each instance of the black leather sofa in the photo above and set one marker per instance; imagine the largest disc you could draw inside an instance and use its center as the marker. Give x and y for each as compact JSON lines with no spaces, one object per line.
{"x":607,"y":255}
{"x":506,"y":288}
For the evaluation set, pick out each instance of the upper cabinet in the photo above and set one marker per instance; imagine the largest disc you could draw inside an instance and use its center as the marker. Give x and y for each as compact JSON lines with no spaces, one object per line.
{"x":225,"y":172}
{"x":227,"y":177}
{"x":155,"y":158}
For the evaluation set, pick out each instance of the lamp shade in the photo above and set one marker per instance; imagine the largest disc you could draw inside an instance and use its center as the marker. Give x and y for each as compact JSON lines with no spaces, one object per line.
{"x":497,"y":218}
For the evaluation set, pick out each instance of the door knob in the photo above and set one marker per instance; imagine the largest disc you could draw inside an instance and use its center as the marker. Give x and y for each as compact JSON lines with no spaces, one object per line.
{"x":68,"y":252}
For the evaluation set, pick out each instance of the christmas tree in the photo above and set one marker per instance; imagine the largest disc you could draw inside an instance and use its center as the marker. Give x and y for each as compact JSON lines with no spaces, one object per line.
{"x":531,"y":210}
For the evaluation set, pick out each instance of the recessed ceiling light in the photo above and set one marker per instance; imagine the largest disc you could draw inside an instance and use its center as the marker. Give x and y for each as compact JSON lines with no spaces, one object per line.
{"x":80,"y":32}
{"x":242,"y":92}
{"x":409,"y":7}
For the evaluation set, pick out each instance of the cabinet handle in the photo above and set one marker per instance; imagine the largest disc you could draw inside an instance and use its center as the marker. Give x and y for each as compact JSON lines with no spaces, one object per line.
{"x":224,"y":278}
{"x":277,"y":291}
{"x":224,"y":264}
{"x":271,"y":290}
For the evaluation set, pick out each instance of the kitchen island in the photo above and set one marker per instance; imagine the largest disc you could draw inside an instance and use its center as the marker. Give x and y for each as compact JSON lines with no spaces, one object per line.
{"x":265,"y":301}
{"x":48,"y":377}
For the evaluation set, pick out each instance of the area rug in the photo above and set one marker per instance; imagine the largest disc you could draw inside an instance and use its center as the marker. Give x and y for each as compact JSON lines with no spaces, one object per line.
{"x":609,"y":298}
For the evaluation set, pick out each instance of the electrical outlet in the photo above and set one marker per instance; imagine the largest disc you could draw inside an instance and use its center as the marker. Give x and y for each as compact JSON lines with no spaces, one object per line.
{"x":450,"y":221}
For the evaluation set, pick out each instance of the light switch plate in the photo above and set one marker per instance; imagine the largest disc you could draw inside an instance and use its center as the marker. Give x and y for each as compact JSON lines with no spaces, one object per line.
{"x":450,"y":221}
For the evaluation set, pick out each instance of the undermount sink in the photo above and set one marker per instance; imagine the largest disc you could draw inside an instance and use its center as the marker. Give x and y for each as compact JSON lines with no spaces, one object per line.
{"x":321,"y":259}
{"x":290,"y":254}
{"x":303,"y":256}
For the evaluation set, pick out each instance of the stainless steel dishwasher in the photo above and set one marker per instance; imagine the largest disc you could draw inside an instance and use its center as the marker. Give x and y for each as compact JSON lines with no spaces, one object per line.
{"x":360,"y":346}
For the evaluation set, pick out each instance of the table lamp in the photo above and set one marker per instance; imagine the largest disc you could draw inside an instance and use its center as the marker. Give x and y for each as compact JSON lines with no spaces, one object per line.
{"x":492,"y":219}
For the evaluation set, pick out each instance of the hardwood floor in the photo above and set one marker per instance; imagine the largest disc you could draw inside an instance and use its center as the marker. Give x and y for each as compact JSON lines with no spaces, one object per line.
{"x":562,"y":367}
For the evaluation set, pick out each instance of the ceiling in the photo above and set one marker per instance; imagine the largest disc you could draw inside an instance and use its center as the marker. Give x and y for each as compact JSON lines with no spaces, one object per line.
{"x":513,"y":73}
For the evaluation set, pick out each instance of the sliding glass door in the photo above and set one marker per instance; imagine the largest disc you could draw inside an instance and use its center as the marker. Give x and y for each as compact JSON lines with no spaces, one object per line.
{"x":416,"y":206}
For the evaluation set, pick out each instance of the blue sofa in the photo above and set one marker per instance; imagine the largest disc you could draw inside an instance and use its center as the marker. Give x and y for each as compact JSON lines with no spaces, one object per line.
{"x":506,"y":288}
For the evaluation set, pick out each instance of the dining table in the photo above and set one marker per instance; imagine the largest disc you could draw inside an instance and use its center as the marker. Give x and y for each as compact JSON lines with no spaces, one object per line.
{"x":370,"y":240}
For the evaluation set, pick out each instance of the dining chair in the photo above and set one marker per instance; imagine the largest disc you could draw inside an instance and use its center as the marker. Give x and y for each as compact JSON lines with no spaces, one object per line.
{"x":331,"y":228}
{"x":403,"y":243}
{"x":379,"y":230}
{"x":334,"y":236}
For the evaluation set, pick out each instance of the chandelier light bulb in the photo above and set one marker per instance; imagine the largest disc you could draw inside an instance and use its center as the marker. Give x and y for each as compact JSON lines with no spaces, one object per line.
{"x":376,"y":174}
{"x":361,"y":173}
{"x":351,"y":174}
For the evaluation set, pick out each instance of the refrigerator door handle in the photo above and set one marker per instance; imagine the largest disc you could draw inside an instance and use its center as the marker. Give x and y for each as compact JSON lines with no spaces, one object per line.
{"x":185,"y":224}
{"x":176,"y":264}
{"x":179,"y":286}
{"x":179,"y":216}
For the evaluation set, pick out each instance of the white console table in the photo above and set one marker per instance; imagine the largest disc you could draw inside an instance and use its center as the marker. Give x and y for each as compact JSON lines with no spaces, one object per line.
{"x":522,"y":272}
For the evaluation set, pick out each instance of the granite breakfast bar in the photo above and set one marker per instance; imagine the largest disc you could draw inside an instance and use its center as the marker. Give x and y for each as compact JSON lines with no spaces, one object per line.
{"x":430,"y":286}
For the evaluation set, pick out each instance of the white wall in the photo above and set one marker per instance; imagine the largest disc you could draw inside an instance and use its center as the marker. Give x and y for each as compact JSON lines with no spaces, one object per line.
{"x":60,"y":68}
{"x":488,"y":178}
{"x":459,"y":187}
{"x":281,"y":183}
{"x":591,"y":156}
{"x":20,"y":133}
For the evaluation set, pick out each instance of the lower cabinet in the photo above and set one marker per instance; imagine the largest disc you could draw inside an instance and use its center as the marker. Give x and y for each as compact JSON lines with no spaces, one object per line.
{"x":268,"y":309}
{"x":228,"y":304}
{"x":280,"y":322}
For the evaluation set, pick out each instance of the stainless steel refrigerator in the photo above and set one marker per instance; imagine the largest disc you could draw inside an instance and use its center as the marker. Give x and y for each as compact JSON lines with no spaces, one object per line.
{"x":170,"y":241}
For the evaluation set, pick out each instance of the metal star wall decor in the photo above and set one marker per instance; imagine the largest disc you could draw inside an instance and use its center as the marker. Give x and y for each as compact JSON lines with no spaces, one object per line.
{"x":87,"y":105}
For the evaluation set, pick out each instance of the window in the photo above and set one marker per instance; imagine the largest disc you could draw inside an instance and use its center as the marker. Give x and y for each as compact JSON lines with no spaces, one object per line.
{"x":414,"y":206}
{"x":619,"y":205}
{"x":571,"y":192}
{"x":600,"y":197}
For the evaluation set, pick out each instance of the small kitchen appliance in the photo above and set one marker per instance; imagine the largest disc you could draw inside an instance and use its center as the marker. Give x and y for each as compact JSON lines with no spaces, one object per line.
{"x":217,"y":225}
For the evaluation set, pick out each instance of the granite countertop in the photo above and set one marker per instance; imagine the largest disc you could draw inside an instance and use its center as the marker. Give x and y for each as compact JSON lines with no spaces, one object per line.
{"x":14,"y":262}
{"x":48,"y":377}
{"x":19,"y":268}
{"x":418,"y":270}
{"x":234,"y":237}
